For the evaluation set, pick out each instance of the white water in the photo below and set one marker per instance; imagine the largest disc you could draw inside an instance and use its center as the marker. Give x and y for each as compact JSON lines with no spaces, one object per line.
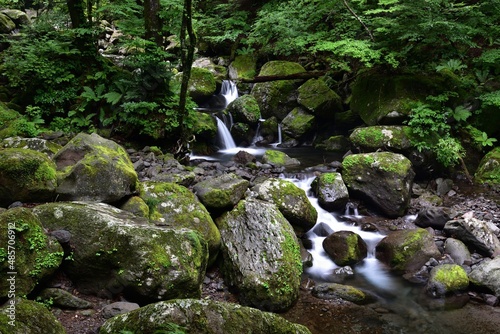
{"x":370,"y":268}
{"x":229,"y":91}
{"x":225,"y":139}
{"x":279,"y":137}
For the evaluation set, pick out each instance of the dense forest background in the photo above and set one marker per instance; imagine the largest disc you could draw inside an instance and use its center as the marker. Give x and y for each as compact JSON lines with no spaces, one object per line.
{"x":53,"y":74}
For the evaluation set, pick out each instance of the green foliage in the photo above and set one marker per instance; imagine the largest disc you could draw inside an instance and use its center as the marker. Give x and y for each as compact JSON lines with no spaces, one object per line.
{"x":449,"y":151}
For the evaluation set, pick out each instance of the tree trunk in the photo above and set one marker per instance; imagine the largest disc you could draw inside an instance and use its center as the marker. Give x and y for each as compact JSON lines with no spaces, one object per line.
{"x":152,"y":21}
{"x":188,"y":43}
{"x":76,"y":13}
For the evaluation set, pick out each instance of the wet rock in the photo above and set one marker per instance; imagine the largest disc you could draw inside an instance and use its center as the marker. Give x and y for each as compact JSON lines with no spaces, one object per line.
{"x":331,"y":191}
{"x":458,"y":251}
{"x":407,"y":250}
{"x":222,"y":192}
{"x":178,"y":316}
{"x":322,"y":230}
{"x":336,"y":291}
{"x":279,"y":159}
{"x":63,"y":299}
{"x":345,"y":248}
{"x":487,"y":275}
{"x":474,"y":233}
{"x":445,"y":279}
{"x":432,"y":217}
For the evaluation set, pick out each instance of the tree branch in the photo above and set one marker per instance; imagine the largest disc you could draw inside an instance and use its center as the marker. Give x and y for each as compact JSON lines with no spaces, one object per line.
{"x":266,"y":78}
{"x":359,"y":20}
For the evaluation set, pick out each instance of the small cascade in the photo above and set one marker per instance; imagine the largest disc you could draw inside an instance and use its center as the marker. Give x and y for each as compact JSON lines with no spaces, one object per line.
{"x":351,"y":209}
{"x":229,"y":91}
{"x":225,"y":139}
{"x":279,"y":137}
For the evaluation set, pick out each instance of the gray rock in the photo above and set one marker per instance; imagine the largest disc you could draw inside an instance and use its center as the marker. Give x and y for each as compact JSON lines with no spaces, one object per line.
{"x":331,"y":191}
{"x":458,"y":251}
{"x":117,"y":308}
{"x":30,"y":318}
{"x":179,"y":316}
{"x":445,"y":279}
{"x":345,"y":248}
{"x":475,"y":233}
{"x":432,"y":217}
{"x":261,"y":255}
{"x":340,"y":291}
{"x":487,"y":275}
{"x":222,"y":192}
{"x":63,"y":299}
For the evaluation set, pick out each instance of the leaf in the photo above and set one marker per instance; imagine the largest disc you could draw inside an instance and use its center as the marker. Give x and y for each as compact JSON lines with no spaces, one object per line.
{"x":461,"y":113}
{"x":113,"y":97}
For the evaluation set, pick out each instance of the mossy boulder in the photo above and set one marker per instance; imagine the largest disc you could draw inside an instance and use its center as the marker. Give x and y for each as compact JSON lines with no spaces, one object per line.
{"x":279,"y":159}
{"x":291,"y":200}
{"x":26,"y":176}
{"x":317,"y":98}
{"x":407,"y":250}
{"x":7,"y":121}
{"x":202,"y":84}
{"x":486,"y":275}
{"x":204,"y":127}
{"x":115,"y":252}
{"x":219,"y":71}
{"x":36,"y":144}
{"x":261,"y":255}
{"x":277,"y":98}
{"x":336,"y":143}
{"x":382,"y":179}
{"x":489,"y":168}
{"x":137,"y":206}
{"x":176,"y":206}
{"x":19,"y":17}
{"x":26,"y":250}
{"x":445,"y":279}
{"x":345,"y":248}
{"x":298,"y":123}
{"x":30,"y":318}
{"x":6,"y":24}
{"x":243,"y":67}
{"x":340,"y":291}
{"x":92,"y":168}
{"x":221,"y":193}
{"x":331,"y":191}
{"x":245,"y":109}
{"x":371,"y":138}
{"x":200,"y":316}
{"x":381,"y":98}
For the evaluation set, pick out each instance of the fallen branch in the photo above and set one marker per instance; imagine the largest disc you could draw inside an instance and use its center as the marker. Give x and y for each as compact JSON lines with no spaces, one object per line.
{"x":301,"y":75}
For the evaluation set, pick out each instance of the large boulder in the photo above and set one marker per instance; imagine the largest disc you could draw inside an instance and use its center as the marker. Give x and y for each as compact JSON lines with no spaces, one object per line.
{"x":486,"y":275}
{"x":383,"y":179}
{"x":387,"y":137}
{"x":26,"y":252}
{"x":475,"y":233}
{"x":489,"y":168}
{"x":26,"y":176}
{"x":92,"y":168}
{"x":331,"y":191}
{"x":176,"y":206}
{"x":317,"y":98}
{"x":222,"y":192}
{"x":245,"y":109}
{"x":6,"y":24}
{"x":407,"y":250}
{"x":277,"y":98}
{"x":114,"y":252}
{"x":297,"y":125}
{"x":243,"y":67}
{"x":202,"y":84}
{"x":290,"y":200}
{"x":445,"y":279}
{"x":261,"y":255}
{"x":200,"y":316}
{"x":345,"y":248}
{"x":279,"y":159}
{"x":36,"y":144}
{"x":22,"y":316}
{"x":19,"y":17}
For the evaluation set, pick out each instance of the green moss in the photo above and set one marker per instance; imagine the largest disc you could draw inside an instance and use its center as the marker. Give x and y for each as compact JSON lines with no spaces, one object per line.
{"x":328,"y":178}
{"x":276,"y":157}
{"x":245,"y":66}
{"x":452,"y":277}
{"x":27,"y":167}
{"x":489,"y":168}
{"x":412,"y":243}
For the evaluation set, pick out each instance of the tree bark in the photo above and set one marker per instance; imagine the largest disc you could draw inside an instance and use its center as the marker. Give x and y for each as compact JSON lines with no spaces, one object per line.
{"x":152,"y":21}
{"x":188,"y":43}
{"x":266,"y":78}
{"x":76,"y":13}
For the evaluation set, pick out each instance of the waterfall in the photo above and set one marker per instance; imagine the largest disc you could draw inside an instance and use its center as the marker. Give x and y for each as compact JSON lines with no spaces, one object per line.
{"x":279,"y":137}
{"x":224,"y":136}
{"x":229,"y":91}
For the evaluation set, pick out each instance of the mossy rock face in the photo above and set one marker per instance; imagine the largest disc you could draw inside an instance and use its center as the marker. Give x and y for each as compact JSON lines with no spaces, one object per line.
{"x":30,"y":318}
{"x":445,"y":279}
{"x":290,"y":200}
{"x":26,"y":176}
{"x":345,"y":248}
{"x":376,"y":97}
{"x":115,"y":252}
{"x":245,"y":109}
{"x":317,"y":98}
{"x":489,"y":168}
{"x":331,"y":191}
{"x":219,"y":72}
{"x":200,"y":316}
{"x":261,"y":255}
{"x":382,"y":179}
{"x":336,"y":291}
{"x":205,"y":127}
{"x":35,"y":144}
{"x":222,"y":192}
{"x":334,"y":144}
{"x":6,"y":24}
{"x":277,"y":98}
{"x":407,"y":250}
{"x":176,"y":206}
{"x":372,"y":138}
{"x":243,"y":67}
{"x":202,"y":84}
{"x":92,"y":168}
{"x":279,"y":159}
{"x":137,"y":206}
{"x":297,"y":123}
{"x":36,"y":255}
